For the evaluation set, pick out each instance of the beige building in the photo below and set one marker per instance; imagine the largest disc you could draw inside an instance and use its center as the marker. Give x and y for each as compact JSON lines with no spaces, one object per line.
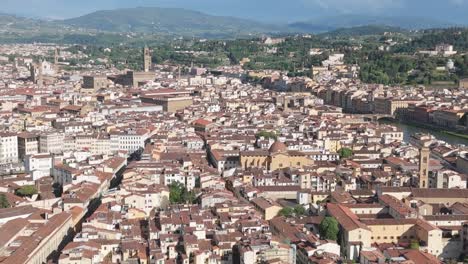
{"x":268,"y":208}
{"x":171,"y":100}
{"x":94,"y":83}
{"x":355,"y":234}
{"x":136,"y":79}
{"x":28,"y":144}
{"x":390,"y":106}
{"x":406,"y":230}
{"x":277,"y":157}
{"x":449,"y":118}
{"x":358,"y":233}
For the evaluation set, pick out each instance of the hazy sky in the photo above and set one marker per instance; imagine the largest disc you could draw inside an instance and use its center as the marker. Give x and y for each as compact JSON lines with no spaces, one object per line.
{"x":265,"y":10}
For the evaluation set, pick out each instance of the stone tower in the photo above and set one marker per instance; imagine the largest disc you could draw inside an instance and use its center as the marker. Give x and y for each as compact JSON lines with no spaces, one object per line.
{"x":424,"y":167}
{"x":36,"y":73}
{"x":146,"y":59}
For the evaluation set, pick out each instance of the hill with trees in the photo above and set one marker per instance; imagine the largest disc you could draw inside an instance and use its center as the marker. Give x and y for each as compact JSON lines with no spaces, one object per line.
{"x":170,"y":21}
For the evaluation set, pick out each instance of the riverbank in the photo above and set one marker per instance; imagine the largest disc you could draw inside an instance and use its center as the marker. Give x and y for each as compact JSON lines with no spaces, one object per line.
{"x":435,"y":128}
{"x":429,"y":127}
{"x":410,"y":128}
{"x":465,"y":136}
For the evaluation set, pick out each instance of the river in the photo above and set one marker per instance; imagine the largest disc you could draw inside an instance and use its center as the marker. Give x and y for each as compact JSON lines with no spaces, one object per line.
{"x":409,"y":130}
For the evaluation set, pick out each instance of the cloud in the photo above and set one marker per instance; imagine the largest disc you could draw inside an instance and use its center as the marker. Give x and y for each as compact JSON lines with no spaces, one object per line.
{"x":357,"y":6}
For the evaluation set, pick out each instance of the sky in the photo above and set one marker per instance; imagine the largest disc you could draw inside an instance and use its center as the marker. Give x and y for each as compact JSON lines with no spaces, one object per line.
{"x":273,"y":11}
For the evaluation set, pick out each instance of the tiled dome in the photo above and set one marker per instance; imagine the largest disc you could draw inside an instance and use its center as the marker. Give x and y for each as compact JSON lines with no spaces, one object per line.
{"x":278,"y":147}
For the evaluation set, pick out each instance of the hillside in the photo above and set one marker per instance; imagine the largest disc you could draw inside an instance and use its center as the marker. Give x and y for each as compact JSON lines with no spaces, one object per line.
{"x":363,"y":31}
{"x":169,"y":20}
{"x":143,"y":24}
{"x":348,"y":21}
{"x":458,"y":37}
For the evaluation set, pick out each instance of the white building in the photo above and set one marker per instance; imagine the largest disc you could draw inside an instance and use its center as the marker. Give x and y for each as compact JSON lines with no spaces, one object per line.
{"x":51,"y":143}
{"x":155,"y":197}
{"x":130,"y":140}
{"x":8,"y":148}
{"x":39,"y":165}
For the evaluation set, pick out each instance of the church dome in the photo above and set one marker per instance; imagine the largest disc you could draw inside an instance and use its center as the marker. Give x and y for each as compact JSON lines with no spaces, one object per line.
{"x":278,"y":147}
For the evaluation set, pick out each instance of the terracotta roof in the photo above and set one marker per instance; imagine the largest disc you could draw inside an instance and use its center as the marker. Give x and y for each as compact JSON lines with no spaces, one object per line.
{"x":345,"y":217}
{"x":439,"y":193}
{"x":278,"y":147}
{"x":10,"y":229}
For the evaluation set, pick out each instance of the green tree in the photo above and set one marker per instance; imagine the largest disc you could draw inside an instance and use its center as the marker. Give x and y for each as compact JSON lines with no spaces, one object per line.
{"x":345,"y":153}
{"x":28,"y":190}
{"x":176,"y":193}
{"x":266,"y":134}
{"x":4,"y":201}
{"x":179,"y":194}
{"x":286,"y":211}
{"x":328,"y":228}
{"x":299,"y":210}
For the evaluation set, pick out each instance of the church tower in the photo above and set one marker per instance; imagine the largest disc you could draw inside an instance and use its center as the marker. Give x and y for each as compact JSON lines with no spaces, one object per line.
{"x":424,"y":167}
{"x":146,"y":59}
{"x":36,"y":73}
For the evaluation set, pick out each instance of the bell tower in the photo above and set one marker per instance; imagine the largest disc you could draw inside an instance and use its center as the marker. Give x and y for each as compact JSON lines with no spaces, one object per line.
{"x":424,"y":167}
{"x":146,"y":59}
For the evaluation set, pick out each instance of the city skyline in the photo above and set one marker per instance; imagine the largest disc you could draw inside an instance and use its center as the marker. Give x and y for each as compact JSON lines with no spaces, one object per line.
{"x":193,"y":133}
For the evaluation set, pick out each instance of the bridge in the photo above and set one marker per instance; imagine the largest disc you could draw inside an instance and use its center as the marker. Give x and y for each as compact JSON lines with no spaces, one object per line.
{"x":376,"y":117}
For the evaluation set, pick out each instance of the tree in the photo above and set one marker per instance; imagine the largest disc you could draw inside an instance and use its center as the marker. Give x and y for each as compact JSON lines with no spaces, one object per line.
{"x":4,"y":201}
{"x":299,"y":210}
{"x":345,"y":153}
{"x":286,"y":211}
{"x":328,"y":228}
{"x":179,"y":194}
{"x":28,"y":190}
{"x":176,"y":193}
{"x":266,"y":135}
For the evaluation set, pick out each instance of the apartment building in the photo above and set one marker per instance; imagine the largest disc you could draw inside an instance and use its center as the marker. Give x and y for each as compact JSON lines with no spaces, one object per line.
{"x":51,"y":143}
{"x":8,"y":148}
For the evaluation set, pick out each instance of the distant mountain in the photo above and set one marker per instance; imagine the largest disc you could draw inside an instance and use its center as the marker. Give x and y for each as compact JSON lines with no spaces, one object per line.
{"x":363,"y":31}
{"x":348,"y":21}
{"x":113,"y":26}
{"x":18,"y":25}
{"x":169,"y":20}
